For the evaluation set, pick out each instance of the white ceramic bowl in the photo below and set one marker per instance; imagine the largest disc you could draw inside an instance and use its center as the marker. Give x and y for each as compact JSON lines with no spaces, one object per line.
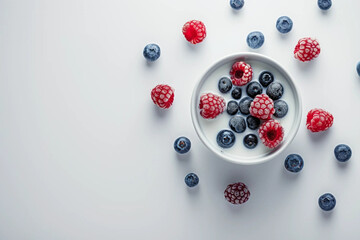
{"x":208,"y":128}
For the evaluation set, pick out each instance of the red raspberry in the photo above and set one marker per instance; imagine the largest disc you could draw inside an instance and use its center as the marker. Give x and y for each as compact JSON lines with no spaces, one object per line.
{"x":319,"y":120}
{"x":262,"y":107}
{"x":211,"y":105}
{"x":237,"y":193}
{"x":241,"y":73}
{"x":163,"y":95}
{"x":271,"y":133}
{"x":307,"y":49}
{"x":194,"y":31}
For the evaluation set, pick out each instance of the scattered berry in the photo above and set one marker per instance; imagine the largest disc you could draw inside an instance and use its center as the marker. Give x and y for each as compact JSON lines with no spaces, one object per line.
{"x":163,"y":95}
{"x":255,"y":39}
{"x":253,"y":122}
{"x":266,"y":78}
{"x":225,"y":84}
{"x":151,"y":52}
{"x":253,"y":89}
{"x":262,"y":107}
{"x":237,"y":4}
{"x":236,"y":93}
{"x":194,"y":31}
{"x":244,"y":105}
{"x":307,"y":49}
{"x":237,"y":124}
{"x":275,"y":90}
{"x":182,"y":145}
{"x":191,"y":180}
{"x":211,"y":105}
{"x":324,"y":4}
{"x":250,"y":141}
{"x":241,"y":73}
{"x":327,"y":201}
{"x":225,"y":138}
{"x":237,"y":193}
{"x":271,"y":133}
{"x":319,"y":120}
{"x":358,"y":68}
{"x":281,"y":108}
{"x":294,"y":163}
{"x":232,"y":107}
{"x":342,"y":152}
{"x":284,"y":24}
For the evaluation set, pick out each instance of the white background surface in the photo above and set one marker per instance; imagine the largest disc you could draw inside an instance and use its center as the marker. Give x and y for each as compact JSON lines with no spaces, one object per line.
{"x":84,"y":153}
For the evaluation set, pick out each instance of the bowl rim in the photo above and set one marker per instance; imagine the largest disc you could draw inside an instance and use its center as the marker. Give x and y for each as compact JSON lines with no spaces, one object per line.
{"x":194,"y":99}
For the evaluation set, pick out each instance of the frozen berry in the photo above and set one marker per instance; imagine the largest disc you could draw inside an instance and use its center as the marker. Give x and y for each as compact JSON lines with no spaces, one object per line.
{"x":319,"y":120}
{"x":284,"y":24}
{"x":241,"y":73}
{"x":262,"y":107}
{"x":294,"y":163}
{"x":237,"y":124}
{"x":342,"y":152}
{"x":211,"y":105}
{"x":244,"y":105}
{"x":271,"y":133}
{"x":255,"y":39}
{"x":275,"y":90}
{"x":237,"y":193}
{"x":237,"y":4}
{"x":250,"y":141}
{"x":232,"y":107}
{"x":324,"y":4}
{"x":224,"y":84}
{"x":281,"y":108}
{"x":236,"y":93}
{"x":163,"y":95}
{"x":253,"y":122}
{"x":327,"y":202}
{"x":151,"y":52}
{"x":307,"y":49}
{"x":266,"y":78}
{"x":253,"y":89}
{"x":191,"y":180}
{"x":225,"y":138}
{"x":194,"y":31}
{"x":182,"y":145}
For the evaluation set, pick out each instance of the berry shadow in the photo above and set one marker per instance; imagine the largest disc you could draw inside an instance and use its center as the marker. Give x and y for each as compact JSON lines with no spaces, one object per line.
{"x":194,"y":191}
{"x":161,"y":113}
{"x":342,"y":165}
{"x":150,"y":64}
{"x":306,"y":66}
{"x":326,"y":214}
{"x":318,"y":136}
{"x":183,"y":157}
{"x":289,"y":176}
{"x":194,"y":47}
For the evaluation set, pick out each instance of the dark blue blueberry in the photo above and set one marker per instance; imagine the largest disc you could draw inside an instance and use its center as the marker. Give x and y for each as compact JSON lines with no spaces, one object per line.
{"x":358,"y":68}
{"x":324,"y":4}
{"x":244,"y":105}
{"x":250,"y":141}
{"x":255,"y":39}
{"x":236,"y":93}
{"x":225,"y":84}
{"x":284,"y":24}
{"x":232,"y":107}
{"x":151,"y":52}
{"x":237,"y":4}
{"x":275,"y":90}
{"x":182,"y":145}
{"x":281,"y":108}
{"x":225,"y":138}
{"x":253,"y":89}
{"x":191,"y":180}
{"x":327,"y":202}
{"x":342,"y":152}
{"x":253,"y":122}
{"x":266,"y":78}
{"x":237,"y":124}
{"x":294,"y":163}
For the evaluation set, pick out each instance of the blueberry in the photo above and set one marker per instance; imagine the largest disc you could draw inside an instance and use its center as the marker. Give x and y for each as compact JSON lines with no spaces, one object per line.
{"x":236,"y":93}
{"x":232,"y":107}
{"x":225,"y":138}
{"x":284,"y":24}
{"x":327,"y":201}
{"x":281,"y":108}
{"x":294,"y":163}
{"x":182,"y":145}
{"x":244,"y":105}
{"x":275,"y":90}
{"x":324,"y":4}
{"x":225,"y":84}
{"x":191,"y":180}
{"x":250,"y":141}
{"x":255,"y":39}
{"x":358,"y":68}
{"x":237,"y":4}
{"x":266,"y":78}
{"x":253,"y":122}
{"x":342,"y":152}
{"x":237,"y":124}
{"x":151,"y":52}
{"x":253,"y":89}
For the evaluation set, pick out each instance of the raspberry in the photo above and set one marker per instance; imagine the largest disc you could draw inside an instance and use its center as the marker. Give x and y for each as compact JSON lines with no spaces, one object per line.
{"x":262,"y":107}
{"x":211,"y":105}
{"x":194,"y":31}
{"x":319,"y":120}
{"x":237,"y":193}
{"x":162,"y":95}
{"x":271,"y":133}
{"x":241,"y":73}
{"x":307,"y":49}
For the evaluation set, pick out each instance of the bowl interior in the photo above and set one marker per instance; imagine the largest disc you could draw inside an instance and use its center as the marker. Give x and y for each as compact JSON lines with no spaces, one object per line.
{"x":207,"y":129}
